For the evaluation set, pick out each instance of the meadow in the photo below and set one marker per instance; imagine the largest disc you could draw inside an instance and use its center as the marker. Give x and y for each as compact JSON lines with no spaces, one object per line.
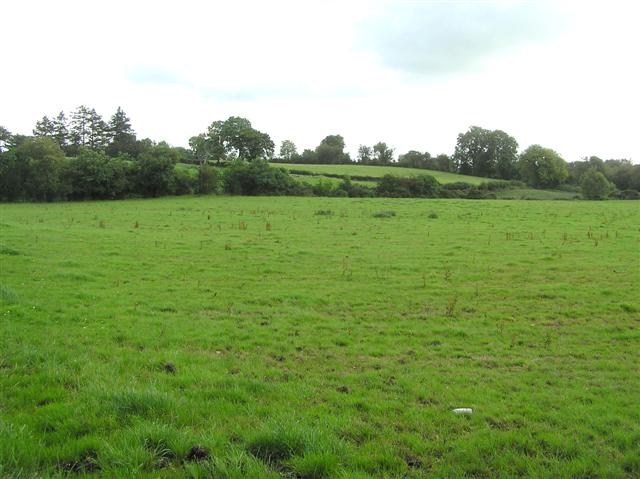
{"x":372,"y":171}
{"x":233,"y":337}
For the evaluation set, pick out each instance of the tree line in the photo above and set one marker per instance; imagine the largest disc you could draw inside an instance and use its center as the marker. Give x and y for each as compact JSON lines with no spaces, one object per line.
{"x":85,"y":156}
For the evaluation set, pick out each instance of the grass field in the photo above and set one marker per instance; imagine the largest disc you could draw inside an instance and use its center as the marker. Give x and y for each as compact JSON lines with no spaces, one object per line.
{"x":320,"y":337}
{"x":380,"y":171}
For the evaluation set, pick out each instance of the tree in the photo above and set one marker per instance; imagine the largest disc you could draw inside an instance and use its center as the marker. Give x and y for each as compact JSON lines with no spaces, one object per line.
{"x":42,"y":163}
{"x":236,"y":138}
{"x":595,"y":185}
{"x":365,"y":155}
{"x":122,"y":138}
{"x":491,"y":154}
{"x":412,"y":159}
{"x":382,"y":154}
{"x":199,"y":151}
{"x":44,"y":127}
{"x":257,"y":178}
{"x":503,"y":154}
{"x":542,"y":167}
{"x":208,"y":180}
{"x":12,"y":176}
{"x":154,"y":174}
{"x":288,"y":151}
{"x":92,"y":174}
{"x":444,"y":162}
{"x":471,"y":151}
{"x":5,"y":138}
{"x":98,"y":131}
{"x":578,"y":168}
{"x":421,"y":186}
{"x":331,"y":151}
{"x":60,"y":130}
{"x":624,"y":174}
{"x":79,"y":132}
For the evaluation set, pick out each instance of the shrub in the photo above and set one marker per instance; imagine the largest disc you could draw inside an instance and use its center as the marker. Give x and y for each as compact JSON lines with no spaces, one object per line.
{"x":209,"y":180}
{"x":154,"y":175}
{"x":457,"y":185}
{"x":422,"y":186}
{"x":595,"y":185}
{"x":93,"y":174}
{"x":257,"y":178}
{"x":183,"y":183}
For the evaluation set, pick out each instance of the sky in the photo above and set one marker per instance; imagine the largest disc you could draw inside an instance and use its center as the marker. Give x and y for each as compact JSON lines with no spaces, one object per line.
{"x":414,"y":74}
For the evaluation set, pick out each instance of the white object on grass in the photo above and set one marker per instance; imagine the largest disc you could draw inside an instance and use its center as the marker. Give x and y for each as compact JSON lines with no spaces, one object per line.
{"x":463,"y":410}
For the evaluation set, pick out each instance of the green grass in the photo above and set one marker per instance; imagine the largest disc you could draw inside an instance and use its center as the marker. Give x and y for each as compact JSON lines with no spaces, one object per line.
{"x":380,"y":171}
{"x":315,"y":179}
{"x":324,"y":345}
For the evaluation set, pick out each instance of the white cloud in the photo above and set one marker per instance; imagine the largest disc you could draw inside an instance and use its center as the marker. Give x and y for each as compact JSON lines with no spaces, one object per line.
{"x":563,"y":77}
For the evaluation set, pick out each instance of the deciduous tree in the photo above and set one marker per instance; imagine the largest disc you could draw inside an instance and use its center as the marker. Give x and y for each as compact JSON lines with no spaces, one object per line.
{"x":542,"y":167}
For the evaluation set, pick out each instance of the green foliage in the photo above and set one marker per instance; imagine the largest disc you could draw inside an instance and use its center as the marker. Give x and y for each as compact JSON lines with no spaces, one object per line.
{"x":5,"y":138}
{"x":288,"y":151}
{"x":595,"y":185}
{"x":92,"y":174}
{"x":183,"y":183}
{"x":542,"y":167}
{"x":330,"y":151}
{"x":382,"y":154}
{"x":231,"y":139}
{"x":38,"y":164}
{"x":257,"y":178}
{"x":121,"y":135}
{"x":13,"y":173}
{"x":209,"y":180}
{"x":421,"y":186}
{"x":486,"y":153}
{"x":154,"y":173}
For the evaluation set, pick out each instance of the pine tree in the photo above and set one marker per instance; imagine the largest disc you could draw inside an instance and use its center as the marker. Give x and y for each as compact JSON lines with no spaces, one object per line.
{"x":44,"y":127}
{"x":121,"y":135}
{"x":97,"y":138}
{"x":80,"y":126}
{"x":60,"y":130}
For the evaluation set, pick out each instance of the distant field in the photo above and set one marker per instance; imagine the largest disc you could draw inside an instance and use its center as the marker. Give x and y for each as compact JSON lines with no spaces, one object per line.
{"x":380,"y":171}
{"x":236,"y":337}
{"x":313,"y":180}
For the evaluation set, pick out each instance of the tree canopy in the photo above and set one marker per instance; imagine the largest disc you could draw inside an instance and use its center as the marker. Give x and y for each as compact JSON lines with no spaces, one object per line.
{"x":481,"y":152}
{"x":542,"y":167}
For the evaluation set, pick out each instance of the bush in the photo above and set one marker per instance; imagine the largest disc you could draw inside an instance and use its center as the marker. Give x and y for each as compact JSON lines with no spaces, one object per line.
{"x":209,"y":180}
{"x":183,"y":183}
{"x":422,"y":186}
{"x":494,"y":185}
{"x":354,"y":190}
{"x":154,"y":175}
{"x":628,"y":195}
{"x":478,"y":194}
{"x":257,"y":178}
{"x":457,"y":185}
{"x":93,"y":175}
{"x":595,"y":185}
{"x":39,"y":163}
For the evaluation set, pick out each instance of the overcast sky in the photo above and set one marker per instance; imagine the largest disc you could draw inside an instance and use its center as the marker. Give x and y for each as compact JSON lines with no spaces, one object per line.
{"x":412,"y":74}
